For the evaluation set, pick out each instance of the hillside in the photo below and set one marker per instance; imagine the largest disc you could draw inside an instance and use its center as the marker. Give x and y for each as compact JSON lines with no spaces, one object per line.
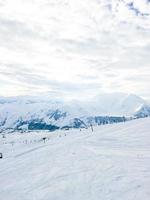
{"x":112,"y":162}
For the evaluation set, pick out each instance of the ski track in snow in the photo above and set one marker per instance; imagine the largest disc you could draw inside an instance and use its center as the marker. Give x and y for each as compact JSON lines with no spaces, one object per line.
{"x":111,"y":163}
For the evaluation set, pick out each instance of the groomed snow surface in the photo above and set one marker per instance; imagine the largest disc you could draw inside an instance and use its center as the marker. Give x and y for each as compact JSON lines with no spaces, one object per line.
{"x":111,"y":163}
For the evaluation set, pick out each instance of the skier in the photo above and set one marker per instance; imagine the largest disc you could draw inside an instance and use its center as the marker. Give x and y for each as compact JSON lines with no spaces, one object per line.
{"x":1,"y":155}
{"x":91,"y":127}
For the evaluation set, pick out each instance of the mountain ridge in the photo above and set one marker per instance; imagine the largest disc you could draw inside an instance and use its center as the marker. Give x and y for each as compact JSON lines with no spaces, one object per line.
{"x":33,"y":113}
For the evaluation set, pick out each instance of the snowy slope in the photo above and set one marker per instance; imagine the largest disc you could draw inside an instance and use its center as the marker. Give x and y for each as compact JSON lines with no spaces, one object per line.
{"x":48,"y":113}
{"x":112,"y":163}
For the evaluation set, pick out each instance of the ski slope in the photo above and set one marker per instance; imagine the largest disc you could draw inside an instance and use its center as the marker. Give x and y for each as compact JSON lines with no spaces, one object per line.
{"x":111,"y":163}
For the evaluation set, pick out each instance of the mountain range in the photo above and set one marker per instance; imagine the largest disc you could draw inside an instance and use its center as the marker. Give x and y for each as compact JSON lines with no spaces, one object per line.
{"x":47,"y":113}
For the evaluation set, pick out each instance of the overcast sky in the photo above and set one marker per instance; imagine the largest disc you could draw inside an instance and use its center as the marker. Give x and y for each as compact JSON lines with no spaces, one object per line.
{"x":74,"y":48}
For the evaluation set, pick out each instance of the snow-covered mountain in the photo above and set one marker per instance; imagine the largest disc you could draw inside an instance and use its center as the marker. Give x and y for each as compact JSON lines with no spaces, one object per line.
{"x":117,"y":104}
{"x":44,"y":113}
{"x":143,"y":111}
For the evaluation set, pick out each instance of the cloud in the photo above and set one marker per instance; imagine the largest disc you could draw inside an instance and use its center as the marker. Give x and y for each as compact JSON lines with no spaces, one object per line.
{"x":74,"y":46}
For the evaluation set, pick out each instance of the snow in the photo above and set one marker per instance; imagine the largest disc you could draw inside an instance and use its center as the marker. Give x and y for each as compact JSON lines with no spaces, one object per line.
{"x":25,"y":109}
{"x":111,"y":163}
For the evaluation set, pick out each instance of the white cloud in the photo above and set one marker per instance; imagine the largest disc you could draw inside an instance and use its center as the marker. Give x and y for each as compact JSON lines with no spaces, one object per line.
{"x":55,"y":45}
